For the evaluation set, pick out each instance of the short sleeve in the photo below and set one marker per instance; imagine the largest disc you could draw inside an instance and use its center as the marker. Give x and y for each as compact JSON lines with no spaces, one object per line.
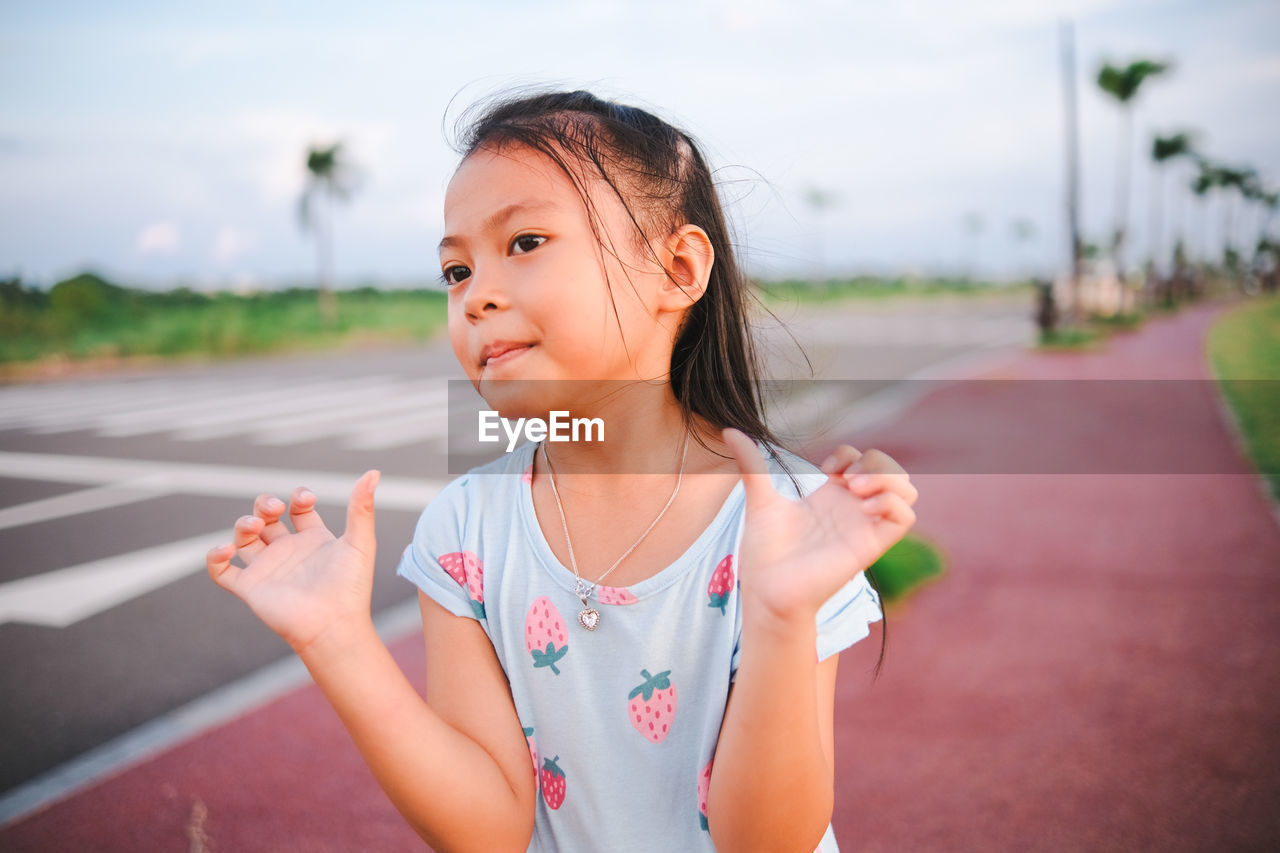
{"x":438,"y":564}
{"x":846,"y":617}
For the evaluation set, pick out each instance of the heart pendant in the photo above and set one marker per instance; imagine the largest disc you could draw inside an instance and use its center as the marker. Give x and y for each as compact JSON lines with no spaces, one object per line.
{"x":590,"y":618}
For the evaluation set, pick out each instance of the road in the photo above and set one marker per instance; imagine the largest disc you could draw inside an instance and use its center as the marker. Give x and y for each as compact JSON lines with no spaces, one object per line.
{"x":113,"y":487}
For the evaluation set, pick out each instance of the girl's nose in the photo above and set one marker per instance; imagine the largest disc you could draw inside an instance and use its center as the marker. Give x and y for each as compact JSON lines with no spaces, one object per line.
{"x":485,"y":293}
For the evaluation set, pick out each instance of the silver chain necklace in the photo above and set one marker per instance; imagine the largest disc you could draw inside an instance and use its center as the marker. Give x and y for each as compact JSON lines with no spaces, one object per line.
{"x":589,"y":617}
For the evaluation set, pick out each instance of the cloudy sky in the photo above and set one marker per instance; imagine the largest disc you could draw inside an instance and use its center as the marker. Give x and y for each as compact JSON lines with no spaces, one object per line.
{"x":162,"y":142}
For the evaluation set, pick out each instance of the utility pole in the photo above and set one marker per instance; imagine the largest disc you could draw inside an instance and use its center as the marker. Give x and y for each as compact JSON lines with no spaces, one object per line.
{"x":1070,"y":128}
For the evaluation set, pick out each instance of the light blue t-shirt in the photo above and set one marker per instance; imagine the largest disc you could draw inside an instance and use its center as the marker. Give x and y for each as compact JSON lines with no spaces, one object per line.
{"x":622,"y":722}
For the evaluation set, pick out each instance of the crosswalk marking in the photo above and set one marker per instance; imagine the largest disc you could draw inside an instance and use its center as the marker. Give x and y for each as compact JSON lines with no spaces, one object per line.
{"x":226,"y":481}
{"x":85,"y":500}
{"x":364,"y":412}
{"x":65,"y":596}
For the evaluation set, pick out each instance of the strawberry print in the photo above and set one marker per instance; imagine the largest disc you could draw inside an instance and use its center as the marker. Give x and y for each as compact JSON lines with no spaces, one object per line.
{"x":533,"y":751}
{"x":552,"y":783}
{"x":704,"y":785}
{"x":615,"y":595}
{"x":722,"y":583}
{"x":465,"y":568}
{"x":544,"y":634}
{"x":652,"y":707}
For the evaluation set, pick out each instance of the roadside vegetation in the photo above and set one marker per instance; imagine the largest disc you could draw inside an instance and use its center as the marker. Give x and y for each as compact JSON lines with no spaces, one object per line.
{"x":1245,"y":357}
{"x":910,"y":562}
{"x":866,"y":287}
{"x":88,"y":318}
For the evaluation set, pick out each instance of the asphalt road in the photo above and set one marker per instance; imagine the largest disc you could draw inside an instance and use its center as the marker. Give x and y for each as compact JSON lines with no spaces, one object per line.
{"x":113,"y":487}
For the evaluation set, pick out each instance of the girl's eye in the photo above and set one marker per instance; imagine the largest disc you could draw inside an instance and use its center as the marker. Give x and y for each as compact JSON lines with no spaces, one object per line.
{"x":526,"y":243}
{"x":455,"y":274}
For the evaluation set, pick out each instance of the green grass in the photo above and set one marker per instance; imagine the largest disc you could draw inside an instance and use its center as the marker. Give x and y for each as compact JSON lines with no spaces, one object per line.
{"x":908,"y":563}
{"x":1092,"y":332}
{"x":125,"y":324}
{"x":1244,"y":343}
{"x":866,"y":287}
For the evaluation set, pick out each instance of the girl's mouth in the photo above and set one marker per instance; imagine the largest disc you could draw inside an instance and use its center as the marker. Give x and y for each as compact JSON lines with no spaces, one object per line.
{"x":504,"y":354}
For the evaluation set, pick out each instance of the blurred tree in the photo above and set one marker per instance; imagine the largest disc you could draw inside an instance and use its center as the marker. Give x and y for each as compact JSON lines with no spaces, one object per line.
{"x":1165,"y":149}
{"x":1123,"y":83}
{"x":1204,"y":181}
{"x":974,"y":224}
{"x":330,"y":176}
{"x":1235,"y":182}
{"x":1023,"y":232}
{"x":819,"y":201}
{"x":86,"y":299}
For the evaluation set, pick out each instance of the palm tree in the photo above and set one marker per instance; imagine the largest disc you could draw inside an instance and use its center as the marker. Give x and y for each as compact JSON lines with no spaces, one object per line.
{"x":1123,"y":83}
{"x":330,"y":176}
{"x":1022,"y":231}
{"x":1239,"y":179}
{"x":974,"y":225}
{"x":820,"y":201}
{"x":1205,"y":180}
{"x":1163,"y":150}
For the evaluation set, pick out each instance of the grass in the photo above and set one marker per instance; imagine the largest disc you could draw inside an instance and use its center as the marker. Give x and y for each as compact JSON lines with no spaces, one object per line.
{"x":908,"y":563}
{"x":866,"y":287}
{"x":134,"y":324}
{"x":1092,"y":332}
{"x":1244,"y":344}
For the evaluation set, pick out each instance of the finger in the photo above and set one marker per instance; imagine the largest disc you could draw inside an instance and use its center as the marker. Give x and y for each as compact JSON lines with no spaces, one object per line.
{"x":360,"y":527}
{"x":751,"y":466}
{"x":879,"y":462}
{"x":889,"y":507}
{"x":866,"y":485}
{"x":245,"y":536}
{"x":302,"y":510}
{"x":269,"y":508}
{"x":218,"y":562}
{"x":840,"y":459}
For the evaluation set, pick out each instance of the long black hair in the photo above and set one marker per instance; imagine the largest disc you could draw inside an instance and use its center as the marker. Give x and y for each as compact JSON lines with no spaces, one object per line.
{"x":660,"y":175}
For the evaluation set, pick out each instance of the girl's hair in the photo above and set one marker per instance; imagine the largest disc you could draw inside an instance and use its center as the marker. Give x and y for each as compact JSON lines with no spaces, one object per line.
{"x":662,"y":179}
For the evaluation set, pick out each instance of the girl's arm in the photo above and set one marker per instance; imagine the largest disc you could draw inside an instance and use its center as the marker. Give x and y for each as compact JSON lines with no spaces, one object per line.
{"x":459,"y":774}
{"x":772,"y":778}
{"x":456,"y":791}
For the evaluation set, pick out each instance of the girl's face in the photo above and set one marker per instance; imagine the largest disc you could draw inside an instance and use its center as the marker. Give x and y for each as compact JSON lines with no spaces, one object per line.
{"x":528,"y":294}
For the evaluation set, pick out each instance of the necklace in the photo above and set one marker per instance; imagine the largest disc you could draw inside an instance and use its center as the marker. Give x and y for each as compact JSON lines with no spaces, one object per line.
{"x":589,"y":617}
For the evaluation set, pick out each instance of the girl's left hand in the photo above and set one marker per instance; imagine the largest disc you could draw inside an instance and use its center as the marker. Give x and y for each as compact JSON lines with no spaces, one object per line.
{"x":797,"y":554}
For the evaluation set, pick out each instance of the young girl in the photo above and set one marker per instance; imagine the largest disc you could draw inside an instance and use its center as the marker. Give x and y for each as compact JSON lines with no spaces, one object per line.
{"x":632,"y":643}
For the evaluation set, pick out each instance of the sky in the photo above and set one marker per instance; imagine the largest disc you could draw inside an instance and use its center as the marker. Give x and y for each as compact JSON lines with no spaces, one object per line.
{"x":164,"y":143}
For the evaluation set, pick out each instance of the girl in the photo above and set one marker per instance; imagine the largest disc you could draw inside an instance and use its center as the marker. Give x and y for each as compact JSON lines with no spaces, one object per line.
{"x":687,"y":704}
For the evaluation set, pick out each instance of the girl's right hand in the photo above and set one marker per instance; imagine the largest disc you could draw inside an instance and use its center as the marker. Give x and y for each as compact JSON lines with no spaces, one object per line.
{"x":306,"y":582}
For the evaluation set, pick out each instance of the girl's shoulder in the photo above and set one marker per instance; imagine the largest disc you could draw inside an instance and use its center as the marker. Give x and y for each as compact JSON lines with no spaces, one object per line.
{"x":485,"y":484}
{"x":793,"y":475}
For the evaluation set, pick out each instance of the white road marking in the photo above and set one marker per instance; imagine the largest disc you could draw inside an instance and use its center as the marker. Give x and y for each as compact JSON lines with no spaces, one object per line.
{"x":63,"y":597}
{"x":371,"y":412}
{"x":416,"y":397}
{"x":397,"y":432}
{"x":86,"y":500}
{"x":183,"y":724}
{"x":205,"y":409}
{"x":227,"y":481}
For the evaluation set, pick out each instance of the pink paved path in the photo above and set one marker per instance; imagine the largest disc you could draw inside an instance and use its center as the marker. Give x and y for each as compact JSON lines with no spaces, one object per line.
{"x":1099,"y":669}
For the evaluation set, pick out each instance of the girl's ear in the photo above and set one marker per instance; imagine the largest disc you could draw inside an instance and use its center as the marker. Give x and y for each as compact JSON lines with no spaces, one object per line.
{"x":687,"y":259}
